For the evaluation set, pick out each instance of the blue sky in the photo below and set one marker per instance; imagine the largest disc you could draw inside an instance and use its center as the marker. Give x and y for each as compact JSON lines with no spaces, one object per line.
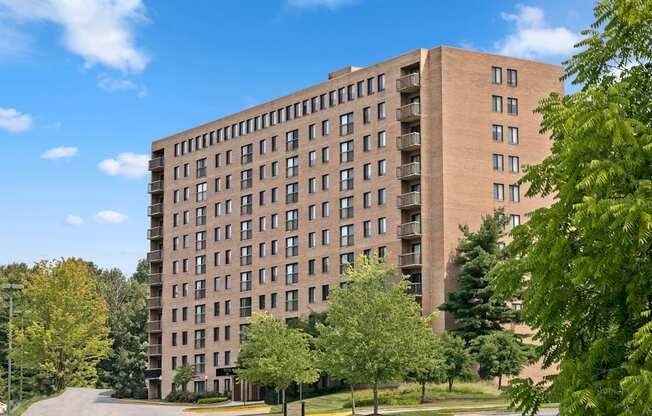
{"x":86,"y":85}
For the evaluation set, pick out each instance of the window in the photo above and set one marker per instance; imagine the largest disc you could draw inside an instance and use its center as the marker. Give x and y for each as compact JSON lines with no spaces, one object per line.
{"x":325,"y":209}
{"x":382,"y":139}
{"x":246,"y":153}
{"x":200,"y":264}
{"x":346,"y":207}
{"x":346,"y":151}
{"x":370,"y":86}
{"x":200,"y":216}
{"x":201,"y":168}
{"x":312,"y":212}
{"x":292,"y":246}
{"x":512,"y":133}
{"x":325,"y":182}
{"x":245,"y":307}
{"x":346,"y":124}
{"x":366,"y":171}
{"x":324,"y":292}
{"x":312,"y":185}
{"x":325,"y":155}
{"x":292,"y":220}
{"x":515,"y":220}
{"x":312,"y":243}
{"x":497,"y":104}
{"x":292,"y":193}
{"x":512,"y":77}
{"x":366,"y":143}
{"x":381,"y":82}
{"x":360,"y":88}
{"x":382,"y":225}
{"x":350,"y":92}
{"x":512,"y":106}
{"x":325,"y":128}
{"x":246,"y":204}
{"x":291,"y":273}
{"x":497,"y":75}
{"x":311,"y":295}
{"x":292,"y":140}
{"x":325,"y":237}
{"x":202,"y":189}
{"x":366,"y":115}
{"x":499,"y":192}
{"x":245,"y":230}
{"x":514,"y":166}
{"x":325,"y":264}
{"x":246,"y":179}
{"x":514,"y":193}
{"x":381,"y":111}
{"x":312,"y":132}
{"x":366,"y":200}
{"x":273,"y":300}
{"x":341,"y":95}
{"x":498,"y":162}
{"x":245,"y":255}
{"x":312,"y":158}
{"x":346,"y":235}
{"x":345,"y":260}
{"x":291,"y":300}
{"x":346,"y":179}
{"x":497,"y":133}
{"x":382,"y":167}
{"x":382,"y":196}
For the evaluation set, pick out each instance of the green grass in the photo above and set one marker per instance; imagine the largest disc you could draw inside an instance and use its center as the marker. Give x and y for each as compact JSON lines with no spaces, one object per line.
{"x":407,"y":395}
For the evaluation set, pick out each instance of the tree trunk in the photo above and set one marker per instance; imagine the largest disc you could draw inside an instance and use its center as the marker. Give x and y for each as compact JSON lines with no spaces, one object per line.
{"x":375,"y":398}
{"x":352,"y":401}
{"x":500,"y":381}
{"x":450,"y":384}
{"x":423,"y":392}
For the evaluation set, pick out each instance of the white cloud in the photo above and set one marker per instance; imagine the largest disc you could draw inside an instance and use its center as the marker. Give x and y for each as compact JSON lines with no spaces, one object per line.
{"x":534,"y":37}
{"x":329,"y":4}
{"x":12,"y":120}
{"x":127,"y":164}
{"x":74,"y":220}
{"x":110,"y":217}
{"x":60,"y":152}
{"x":110,"y":84}
{"x":100,"y":31}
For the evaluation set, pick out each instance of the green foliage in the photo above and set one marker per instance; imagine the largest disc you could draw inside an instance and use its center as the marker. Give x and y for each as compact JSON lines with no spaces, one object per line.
{"x":476,"y":310}
{"x":585,"y":261}
{"x":458,"y":360}
{"x":371,"y":326}
{"x":209,"y":400}
{"x":309,"y":325}
{"x":500,"y":353}
{"x":66,"y":334}
{"x":184,"y":375}
{"x":428,"y":362}
{"x":123,"y":369}
{"x":275,"y":355}
{"x":195,"y":397}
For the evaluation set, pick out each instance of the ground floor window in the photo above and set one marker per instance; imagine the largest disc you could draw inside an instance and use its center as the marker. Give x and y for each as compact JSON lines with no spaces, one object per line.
{"x":216,"y":385}
{"x":200,"y":386}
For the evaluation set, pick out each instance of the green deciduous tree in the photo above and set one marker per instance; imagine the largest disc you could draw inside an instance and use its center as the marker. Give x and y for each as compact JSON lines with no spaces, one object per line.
{"x":428,"y":362}
{"x":66,"y":335}
{"x":184,"y":375}
{"x":458,"y":360}
{"x":476,"y":310}
{"x":499,"y":354}
{"x":371,"y":326}
{"x":273,"y":354}
{"x":585,"y":261}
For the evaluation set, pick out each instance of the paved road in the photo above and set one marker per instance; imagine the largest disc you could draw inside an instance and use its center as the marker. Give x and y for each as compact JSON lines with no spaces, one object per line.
{"x":94,"y":402}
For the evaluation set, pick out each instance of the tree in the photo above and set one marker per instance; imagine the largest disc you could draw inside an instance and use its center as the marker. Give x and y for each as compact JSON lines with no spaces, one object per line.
{"x":500,"y":353}
{"x":476,"y":310}
{"x":457,"y":358}
{"x":273,"y":354}
{"x":371,"y":326}
{"x":123,"y":369}
{"x":584,"y":263}
{"x":141,"y":275}
{"x":66,"y":334}
{"x":184,"y":375}
{"x":429,"y":364}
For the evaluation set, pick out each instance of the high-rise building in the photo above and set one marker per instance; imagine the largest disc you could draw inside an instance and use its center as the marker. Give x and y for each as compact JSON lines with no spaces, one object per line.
{"x":262,"y":210}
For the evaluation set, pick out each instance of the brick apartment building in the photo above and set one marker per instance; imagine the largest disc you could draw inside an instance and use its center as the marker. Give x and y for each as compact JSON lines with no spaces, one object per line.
{"x":262,"y":209}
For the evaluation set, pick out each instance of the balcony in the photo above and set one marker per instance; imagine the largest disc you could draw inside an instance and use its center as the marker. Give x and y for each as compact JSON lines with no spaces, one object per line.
{"x":155,"y":209}
{"x":155,"y":256}
{"x":414,"y":289}
{"x":155,"y":278}
{"x":408,"y":142}
{"x":156,"y":164}
{"x":410,"y":112}
{"x":409,"y":230}
{"x":408,"y":83}
{"x":409,"y":260}
{"x":154,"y":302}
{"x":154,"y":326}
{"x":155,"y":233}
{"x":154,"y":349}
{"x":155,"y":187}
{"x":152,"y":373}
{"x":409,"y":200}
{"x":409,"y":171}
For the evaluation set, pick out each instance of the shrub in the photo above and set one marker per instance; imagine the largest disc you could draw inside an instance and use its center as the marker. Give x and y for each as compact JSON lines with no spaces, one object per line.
{"x":191,"y":397}
{"x":209,"y":400}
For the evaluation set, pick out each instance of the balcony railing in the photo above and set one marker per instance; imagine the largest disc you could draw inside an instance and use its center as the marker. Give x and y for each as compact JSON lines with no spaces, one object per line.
{"x":156,"y":164}
{"x":408,"y":112}
{"x":409,"y":260}
{"x":155,"y":209}
{"x":409,"y":171}
{"x":155,"y":278}
{"x":200,"y":245}
{"x":346,"y":129}
{"x":200,"y":293}
{"x":409,"y":141}
{"x":155,"y":187}
{"x":154,"y":302}
{"x":409,"y":229}
{"x":245,"y":286}
{"x":152,"y":373}
{"x":155,"y":256}
{"x":154,"y":349}
{"x":407,"y":83}
{"x":246,"y":209}
{"x":154,"y":326}
{"x":155,"y":233}
{"x":409,"y":200}
{"x":414,"y":289}
{"x":346,"y":213}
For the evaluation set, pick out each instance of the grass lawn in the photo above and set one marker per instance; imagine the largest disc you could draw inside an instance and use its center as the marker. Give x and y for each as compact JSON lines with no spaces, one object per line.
{"x":406,"y":395}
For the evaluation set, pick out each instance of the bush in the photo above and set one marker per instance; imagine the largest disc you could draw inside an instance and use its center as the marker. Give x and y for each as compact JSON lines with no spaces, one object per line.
{"x":209,"y":400}
{"x":192,"y":397}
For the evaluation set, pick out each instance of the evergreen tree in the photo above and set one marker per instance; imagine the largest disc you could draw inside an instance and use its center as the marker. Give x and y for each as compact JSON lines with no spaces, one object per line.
{"x":473,"y":305}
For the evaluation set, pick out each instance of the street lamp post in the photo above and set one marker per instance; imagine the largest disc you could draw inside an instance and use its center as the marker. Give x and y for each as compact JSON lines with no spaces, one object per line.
{"x":11,"y":287}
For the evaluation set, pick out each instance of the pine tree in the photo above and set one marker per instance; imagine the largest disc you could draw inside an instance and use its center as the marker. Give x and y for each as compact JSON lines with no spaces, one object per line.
{"x":473,"y":305}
